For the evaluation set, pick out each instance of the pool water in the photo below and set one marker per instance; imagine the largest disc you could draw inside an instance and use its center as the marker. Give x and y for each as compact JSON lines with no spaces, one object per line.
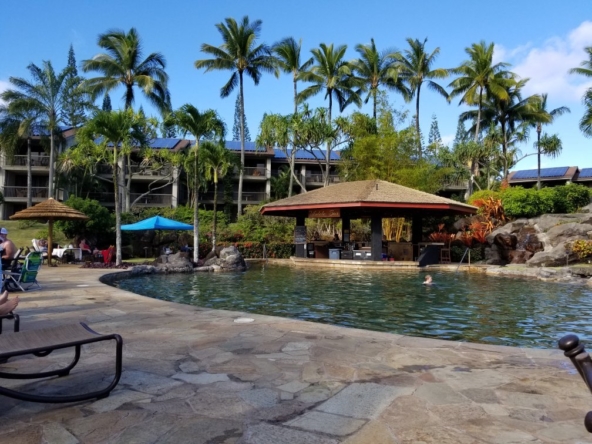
{"x":461,"y":306}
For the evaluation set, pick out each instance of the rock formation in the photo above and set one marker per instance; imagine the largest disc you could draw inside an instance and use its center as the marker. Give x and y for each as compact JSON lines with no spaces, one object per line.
{"x":226,"y":259}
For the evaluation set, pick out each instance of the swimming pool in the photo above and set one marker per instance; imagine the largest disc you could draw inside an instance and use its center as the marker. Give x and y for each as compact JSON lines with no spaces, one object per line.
{"x":471,"y":307}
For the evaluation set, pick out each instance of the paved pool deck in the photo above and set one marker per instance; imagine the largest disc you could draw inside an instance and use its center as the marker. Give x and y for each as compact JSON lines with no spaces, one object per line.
{"x":194,"y":375}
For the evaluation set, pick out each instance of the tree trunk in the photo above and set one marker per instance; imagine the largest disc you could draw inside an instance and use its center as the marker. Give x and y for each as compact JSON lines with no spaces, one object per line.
{"x":127,"y":167}
{"x":374,"y":90}
{"x":215,"y":211}
{"x":29,"y":174}
{"x":50,"y":190}
{"x":117,"y":206}
{"x":538,"y":156}
{"x":291,"y":161}
{"x":328,"y":153}
{"x":242,"y":136}
{"x":195,"y":208}
{"x":417,"y":122}
{"x":505,"y":150}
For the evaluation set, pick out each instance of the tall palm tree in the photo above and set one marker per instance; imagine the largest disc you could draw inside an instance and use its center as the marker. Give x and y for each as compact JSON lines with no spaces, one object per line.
{"x":479,"y":77}
{"x":551,"y":145}
{"x":117,"y":131}
{"x":240,"y":54}
{"x":217,"y":161}
{"x":586,"y":120}
{"x":122,"y":65}
{"x":415,"y":68}
{"x":13,"y":128}
{"x":287,"y":53}
{"x":378,"y":69}
{"x":44,"y":97}
{"x":334,"y":76}
{"x":200,"y":125}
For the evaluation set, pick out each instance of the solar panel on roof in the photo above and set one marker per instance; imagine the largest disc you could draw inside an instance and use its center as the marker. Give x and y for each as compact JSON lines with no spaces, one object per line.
{"x":162,"y":143}
{"x":235,"y":145}
{"x":545,"y":172}
{"x":586,"y":172}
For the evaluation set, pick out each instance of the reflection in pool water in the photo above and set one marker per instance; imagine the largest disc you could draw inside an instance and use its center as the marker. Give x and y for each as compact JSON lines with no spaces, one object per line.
{"x":469,"y":307}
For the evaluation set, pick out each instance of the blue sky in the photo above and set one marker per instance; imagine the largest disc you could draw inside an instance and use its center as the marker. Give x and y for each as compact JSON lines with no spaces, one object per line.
{"x":542,"y":40}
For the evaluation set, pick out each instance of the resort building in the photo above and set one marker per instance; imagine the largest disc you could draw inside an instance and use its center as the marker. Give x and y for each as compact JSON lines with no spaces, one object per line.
{"x":551,"y":177}
{"x":153,"y":187}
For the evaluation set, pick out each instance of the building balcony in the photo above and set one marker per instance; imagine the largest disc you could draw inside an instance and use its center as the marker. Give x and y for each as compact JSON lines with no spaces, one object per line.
{"x":19,"y":162}
{"x":137,"y":171}
{"x":19,"y":194}
{"x":249,"y":197}
{"x":152,"y":200}
{"x":317,"y":179}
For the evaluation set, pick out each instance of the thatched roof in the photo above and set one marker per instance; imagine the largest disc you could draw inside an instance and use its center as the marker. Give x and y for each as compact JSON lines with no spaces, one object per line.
{"x":50,"y":209}
{"x":369,"y":194}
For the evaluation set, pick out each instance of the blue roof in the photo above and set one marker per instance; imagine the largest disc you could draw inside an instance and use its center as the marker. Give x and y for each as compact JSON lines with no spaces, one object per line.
{"x":306,"y":155}
{"x":585,"y":172}
{"x":545,"y":173}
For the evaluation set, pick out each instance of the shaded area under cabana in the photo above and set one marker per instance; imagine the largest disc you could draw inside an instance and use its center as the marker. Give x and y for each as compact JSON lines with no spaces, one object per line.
{"x":365,"y":199}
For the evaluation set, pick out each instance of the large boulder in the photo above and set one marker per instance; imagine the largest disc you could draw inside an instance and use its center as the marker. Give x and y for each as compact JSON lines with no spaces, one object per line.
{"x":228,"y":259}
{"x":174,"y":263}
{"x":567,"y":232}
{"x":556,"y":257}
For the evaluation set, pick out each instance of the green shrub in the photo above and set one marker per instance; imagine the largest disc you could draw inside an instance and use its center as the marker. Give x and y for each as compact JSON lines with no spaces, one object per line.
{"x":520,"y":202}
{"x":548,"y":200}
{"x":483,"y":194}
{"x":571,"y":197}
{"x":100,"y":225}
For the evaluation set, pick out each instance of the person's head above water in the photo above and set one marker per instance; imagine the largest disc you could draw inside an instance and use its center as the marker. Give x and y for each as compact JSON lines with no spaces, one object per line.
{"x":428,"y":280}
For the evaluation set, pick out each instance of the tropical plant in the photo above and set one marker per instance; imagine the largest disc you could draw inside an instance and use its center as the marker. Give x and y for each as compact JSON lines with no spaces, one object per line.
{"x":116,"y":133}
{"x":586,"y":120}
{"x":287,"y":53}
{"x":415,"y":68}
{"x":217,"y":161}
{"x":45,"y":98}
{"x":240,"y":54}
{"x":546,"y":145}
{"x":377,"y":69}
{"x":99,"y":227}
{"x":200,"y":125}
{"x":122,"y":65}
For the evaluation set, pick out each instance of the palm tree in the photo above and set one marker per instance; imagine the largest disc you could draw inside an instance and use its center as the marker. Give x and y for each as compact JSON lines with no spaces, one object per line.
{"x":287,"y":53}
{"x":334,"y":76}
{"x":217,"y":160}
{"x":551,"y":145}
{"x":200,"y":125}
{"x":122,"y":65}
{"x":13,"y":128}
{"x":376,"y":69}
{"x":478,"y":76}
{"x":586,"y":121}
{"x":415,"y":68}
{"x":44,"y":97}
{"x":239,"y":54}
{"x":118,"y":132}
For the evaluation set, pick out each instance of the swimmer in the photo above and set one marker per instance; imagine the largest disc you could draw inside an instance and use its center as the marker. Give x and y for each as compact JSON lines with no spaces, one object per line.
{"x":428,"y":280}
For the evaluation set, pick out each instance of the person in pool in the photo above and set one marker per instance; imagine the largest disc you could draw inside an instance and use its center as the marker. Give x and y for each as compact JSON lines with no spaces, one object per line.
{"x":428,"y":280}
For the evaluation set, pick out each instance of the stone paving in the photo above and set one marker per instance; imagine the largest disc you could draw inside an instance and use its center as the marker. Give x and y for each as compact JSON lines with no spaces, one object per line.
{"x":195,"y":375}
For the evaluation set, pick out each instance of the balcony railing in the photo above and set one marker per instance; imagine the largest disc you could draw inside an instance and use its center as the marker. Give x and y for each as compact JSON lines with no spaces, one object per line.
{"x":21,"y":161}
{"x":104,"y":197}
{"x":136,"y":170}
{"x":318,"y":178}
{"x":248,"y":196}
{"x":255,"y":172}
{"x":21,"y":192}
{"x":153,"y":200}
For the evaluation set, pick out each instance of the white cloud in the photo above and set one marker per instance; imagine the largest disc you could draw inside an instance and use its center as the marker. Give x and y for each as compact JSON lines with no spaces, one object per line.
{"x":447,"y":139}
{"x":547,"y":65}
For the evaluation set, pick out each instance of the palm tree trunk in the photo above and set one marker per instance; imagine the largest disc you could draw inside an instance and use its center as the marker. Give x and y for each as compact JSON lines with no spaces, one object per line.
{"x":215,"y":211}
{"x":117,"y":207}
{"x":195,"y":209}
{"x":538,"y":156}
{"x":242,"y":136}
{"x":292,"y":155}
{"x":29,"y":174}
{"x":374,"y":90}
{"x":50,"y":191}
{"x":327,"y":154}
{"x":505,"y":150}
{"x":417,"y":122}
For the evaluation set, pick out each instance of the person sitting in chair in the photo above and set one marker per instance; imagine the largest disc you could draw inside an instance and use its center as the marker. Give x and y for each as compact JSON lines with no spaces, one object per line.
{"x":84,"y":247}
{"x":7,"y":247}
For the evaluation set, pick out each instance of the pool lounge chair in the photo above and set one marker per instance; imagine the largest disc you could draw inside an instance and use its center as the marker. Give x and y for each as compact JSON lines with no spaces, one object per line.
{"x":44,"y":341}
{"x":27,"y":274}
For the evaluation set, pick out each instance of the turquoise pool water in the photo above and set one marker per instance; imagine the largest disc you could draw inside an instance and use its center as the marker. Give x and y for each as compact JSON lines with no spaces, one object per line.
{"x":459,"y":306}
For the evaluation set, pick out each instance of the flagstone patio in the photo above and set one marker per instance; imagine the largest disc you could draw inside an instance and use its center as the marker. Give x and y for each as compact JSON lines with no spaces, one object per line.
{"x":194,"y":375}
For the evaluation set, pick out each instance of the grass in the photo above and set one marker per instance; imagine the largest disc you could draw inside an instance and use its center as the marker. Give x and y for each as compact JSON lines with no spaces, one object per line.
{"x":22,"y":232}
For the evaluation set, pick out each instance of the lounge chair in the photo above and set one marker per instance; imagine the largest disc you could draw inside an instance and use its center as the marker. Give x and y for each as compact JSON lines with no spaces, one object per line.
{"x":15,"y":318}
{"x":43,"y":342}
{"x":41,"y":250}
{"x":27,"y":274}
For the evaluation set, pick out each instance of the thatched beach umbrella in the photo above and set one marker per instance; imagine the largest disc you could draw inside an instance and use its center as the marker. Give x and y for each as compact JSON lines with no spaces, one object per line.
{"x":49,"y":210}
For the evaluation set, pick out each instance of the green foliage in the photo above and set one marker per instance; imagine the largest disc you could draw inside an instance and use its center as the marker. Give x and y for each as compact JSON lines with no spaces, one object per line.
{"x":483,"y":194}
{"x":456,"y":254}
{"x":99,"y":226}
{"x":521,"y":202}
{"x":260,"y":228}
{"x":583,"y":248}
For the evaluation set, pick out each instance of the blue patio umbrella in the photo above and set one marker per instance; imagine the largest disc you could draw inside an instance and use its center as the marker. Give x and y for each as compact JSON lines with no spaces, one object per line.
{"x":157,"y":223}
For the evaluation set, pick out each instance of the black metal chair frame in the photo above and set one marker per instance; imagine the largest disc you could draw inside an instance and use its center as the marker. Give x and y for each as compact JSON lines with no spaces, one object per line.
{"x":13,"y":316}
{"x":45,"y":350}
{"x":580,"y":359}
